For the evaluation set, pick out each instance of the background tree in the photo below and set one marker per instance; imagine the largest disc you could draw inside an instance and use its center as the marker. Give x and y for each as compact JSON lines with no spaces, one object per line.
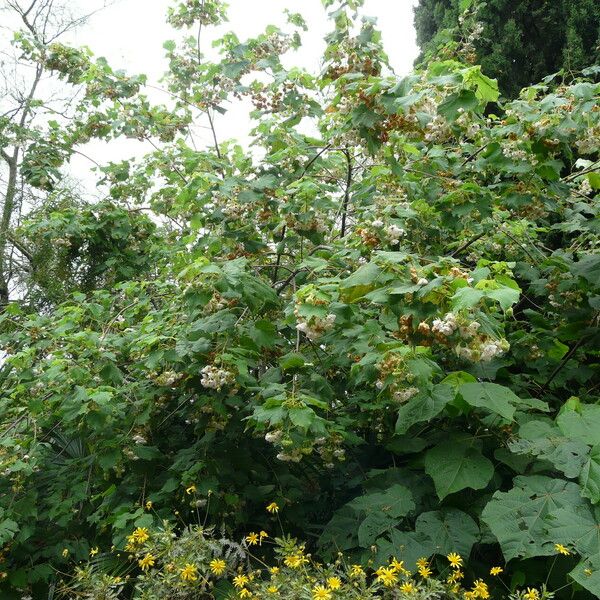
{"x":522,"y":41}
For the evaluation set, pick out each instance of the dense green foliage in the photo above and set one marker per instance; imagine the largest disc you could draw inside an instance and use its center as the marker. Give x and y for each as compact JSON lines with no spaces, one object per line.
{"x":389,"y":326}
{"x":520,"y":41}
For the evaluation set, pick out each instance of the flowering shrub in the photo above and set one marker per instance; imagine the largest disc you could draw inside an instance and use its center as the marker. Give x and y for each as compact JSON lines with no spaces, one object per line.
{"x":389,"y":326}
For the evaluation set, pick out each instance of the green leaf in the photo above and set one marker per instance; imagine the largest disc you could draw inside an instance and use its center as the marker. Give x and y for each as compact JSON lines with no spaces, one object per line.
{"x":594,"y":179}
{"x":373,"y":526}
{"x":522,"y":519}
{"x":545,"y":441}
{"x":8,"y":529}
{"x":450,"y":530}
{"x":293,"y":360}
{"x":590,"y":476}
{"x":587,"y":574}
{"x":302,"y":417}
{"x":360,"y":282}
{"x":583,"y":426}
{"x":577,"y":526}
{"x":396,"y":501}
{"x":423,"y":407}
{"x":466,"y":297}
{"x":457,"y":464}
{"x":451,"y":107}
{"x":495,"y":398}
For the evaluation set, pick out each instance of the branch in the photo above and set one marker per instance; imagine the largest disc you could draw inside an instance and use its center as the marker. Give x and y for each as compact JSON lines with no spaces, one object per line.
{"x":20,"y":247}
{"x":346,"y":192}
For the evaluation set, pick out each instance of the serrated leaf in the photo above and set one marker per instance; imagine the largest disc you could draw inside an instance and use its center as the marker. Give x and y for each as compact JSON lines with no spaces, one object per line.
{"x":590,"y":476}
{"x":457,"y":464}
{"x":522,"y":517}
{"x":450,"y":530}
{"x":545,"y":441}
{"x":587,"y":574}
{"x":495,"y":398}
{"x":583,"y":425}
{"x":423,"y":407}
{"x":578,"y":527}
{"x":451,"y":107}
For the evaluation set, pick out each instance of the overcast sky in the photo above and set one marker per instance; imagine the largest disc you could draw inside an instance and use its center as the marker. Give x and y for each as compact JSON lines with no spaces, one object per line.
{"x":130,"y":34}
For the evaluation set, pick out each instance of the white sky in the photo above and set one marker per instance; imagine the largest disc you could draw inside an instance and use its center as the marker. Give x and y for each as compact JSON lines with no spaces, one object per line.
{"x":130,"y":35}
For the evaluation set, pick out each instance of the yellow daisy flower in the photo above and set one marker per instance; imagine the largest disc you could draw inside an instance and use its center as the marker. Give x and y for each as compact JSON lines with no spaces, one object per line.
{"x":386,"y":576}
{"x":245,"y":593}
{"x":190,"y":490}
{"x":334,"y":583}
{"x":239,"y":581}
{"x":480,"y":589}
{"x":189,"y":572}
{"x":217,"y":566}
{"x":408,"y":588}
{"x":422,"y":562}
{"x":295,"y":561}
{"x":94,"y":551}
{"x":531,"y":594}
{"x":562,"y":549}
{"x":455,"y":560}
{"x":272,"y":508}
{"x":252,"y":538}
{"x":320,"y":592}
{"x":496,"y":570}
{"x":146,"y":562}
{"x":140,"y":535}
{"x":356,"y":571}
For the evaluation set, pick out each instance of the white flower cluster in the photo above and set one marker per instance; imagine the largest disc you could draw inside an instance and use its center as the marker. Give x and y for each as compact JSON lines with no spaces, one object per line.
{"x":437,"y":130}
{"x":514,"y":153}
{"x":485,"y":350}
{"x":215,"y":378}
{"x":315,"y":327}
{"x":585,"y":187}
{"x":289,"y":456}
{"x":466,"y":122}
{"x":234,"y":210}
{"x":140,"y":440}
{"x":215,"y":304}
{"x":273,"y":436}
{"x":590,"y":144}
{"x":405,"y":394}
{"x":395,"y":233}
{"x":446,"y":326}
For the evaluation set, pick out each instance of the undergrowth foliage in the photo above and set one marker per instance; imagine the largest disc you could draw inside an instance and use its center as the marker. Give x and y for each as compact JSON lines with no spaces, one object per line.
{"x":387,"y":326}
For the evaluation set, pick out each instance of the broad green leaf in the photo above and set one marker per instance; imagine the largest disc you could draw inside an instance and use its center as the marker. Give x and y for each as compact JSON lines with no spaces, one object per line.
{"x":583,"y":426}
{"x":450,"y":530}
{"x":374,"y":525}
{"x":590,"y":476}
{"x":360,"y":282}
{"x":587,"y":574}
{"x":408,"y":546}
{"x":466,"y":297}
{"x":545,"y":441}
{"x":457,"y":464}
{"x":397,"y":501}
{"x":495,"y":398}
{"x":293,"y":360}
{"x":423,"y":407}
{"x":454,"y":104}
{"x":523,"y":518}
{"x":578,"y":527}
